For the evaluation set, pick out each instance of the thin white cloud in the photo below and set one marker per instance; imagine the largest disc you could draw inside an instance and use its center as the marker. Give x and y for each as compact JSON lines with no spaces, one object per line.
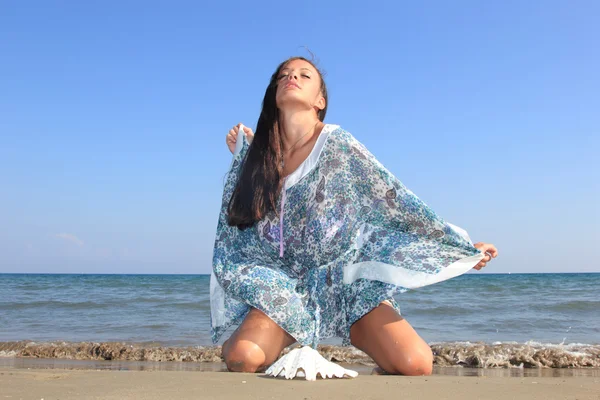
{"x":71,"y":238}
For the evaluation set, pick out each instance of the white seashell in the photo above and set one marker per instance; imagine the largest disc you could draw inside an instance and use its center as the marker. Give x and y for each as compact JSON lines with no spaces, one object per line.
{"x":307,"y":362}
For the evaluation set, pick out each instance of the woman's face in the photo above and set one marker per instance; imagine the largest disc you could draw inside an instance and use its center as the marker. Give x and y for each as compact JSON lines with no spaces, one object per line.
{"x":299,"y":86}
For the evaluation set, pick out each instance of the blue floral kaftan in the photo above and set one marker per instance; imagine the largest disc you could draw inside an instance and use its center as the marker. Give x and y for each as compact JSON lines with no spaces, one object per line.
{"x":351,"y":236}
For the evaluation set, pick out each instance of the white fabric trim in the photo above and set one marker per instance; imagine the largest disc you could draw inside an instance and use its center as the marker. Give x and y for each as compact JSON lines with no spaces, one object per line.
{"x":239,"y":143}
{"x":306,"y":166}
{"x":312,"y":159}
{"x":217,"y":301}
{"x":375,"y":270}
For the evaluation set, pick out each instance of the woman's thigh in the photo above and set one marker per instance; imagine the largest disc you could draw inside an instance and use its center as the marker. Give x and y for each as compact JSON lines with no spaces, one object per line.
{"x":255,"y":344}
{"x":391,"y":342}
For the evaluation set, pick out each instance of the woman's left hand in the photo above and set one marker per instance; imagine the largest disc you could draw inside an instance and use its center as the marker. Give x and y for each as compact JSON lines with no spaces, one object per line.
{"x":490,"y":251}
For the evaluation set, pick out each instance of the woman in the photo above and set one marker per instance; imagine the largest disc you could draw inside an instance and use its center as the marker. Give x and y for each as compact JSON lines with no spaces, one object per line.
{"x":315,"y":237}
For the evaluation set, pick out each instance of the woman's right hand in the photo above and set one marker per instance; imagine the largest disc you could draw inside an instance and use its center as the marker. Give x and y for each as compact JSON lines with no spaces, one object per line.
{"x":231,"y":138}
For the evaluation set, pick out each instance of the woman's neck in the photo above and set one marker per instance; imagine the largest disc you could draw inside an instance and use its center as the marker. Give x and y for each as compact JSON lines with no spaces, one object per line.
{"x":295,"y":125}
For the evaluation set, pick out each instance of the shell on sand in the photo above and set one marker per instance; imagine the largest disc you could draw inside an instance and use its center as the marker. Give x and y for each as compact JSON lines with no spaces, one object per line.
{"x":308,"y":363}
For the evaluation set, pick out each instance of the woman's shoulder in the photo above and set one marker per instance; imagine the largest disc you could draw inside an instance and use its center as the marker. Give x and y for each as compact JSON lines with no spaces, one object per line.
{"x":345,"y":144}
{"x":340,"y":136}
{"x":339,"y":133}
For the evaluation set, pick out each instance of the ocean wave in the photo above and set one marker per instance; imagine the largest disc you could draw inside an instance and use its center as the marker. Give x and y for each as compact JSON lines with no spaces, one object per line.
{"x":520,"y":355}
{"x":465,"y":354}
{"x":54,"y":304}
{"x":446,"y":310}
{"x":571,"y":306}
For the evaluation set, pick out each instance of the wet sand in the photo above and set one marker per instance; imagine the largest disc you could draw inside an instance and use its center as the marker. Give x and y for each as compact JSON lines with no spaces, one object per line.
{"x":58,"y":383}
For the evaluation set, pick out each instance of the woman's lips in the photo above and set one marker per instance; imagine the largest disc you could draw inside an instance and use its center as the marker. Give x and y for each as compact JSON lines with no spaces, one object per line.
{"x":291,"y":84}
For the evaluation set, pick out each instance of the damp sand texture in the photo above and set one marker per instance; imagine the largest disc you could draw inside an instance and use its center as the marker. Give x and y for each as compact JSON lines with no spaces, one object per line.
{"x":149,"y":385}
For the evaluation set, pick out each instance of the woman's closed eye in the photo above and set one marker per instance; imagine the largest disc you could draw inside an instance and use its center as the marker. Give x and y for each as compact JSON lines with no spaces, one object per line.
{"x":286,"y":75}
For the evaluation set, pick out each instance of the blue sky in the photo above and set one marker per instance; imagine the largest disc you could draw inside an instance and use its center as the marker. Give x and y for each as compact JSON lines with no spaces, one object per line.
{"x":113,"y":117}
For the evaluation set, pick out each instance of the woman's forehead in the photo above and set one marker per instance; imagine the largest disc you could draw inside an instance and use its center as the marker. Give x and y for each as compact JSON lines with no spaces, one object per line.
{"x":298,"y":64}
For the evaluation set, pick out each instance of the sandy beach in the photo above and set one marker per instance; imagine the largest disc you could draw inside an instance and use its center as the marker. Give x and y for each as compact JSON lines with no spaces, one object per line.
{"x":50,"y":384}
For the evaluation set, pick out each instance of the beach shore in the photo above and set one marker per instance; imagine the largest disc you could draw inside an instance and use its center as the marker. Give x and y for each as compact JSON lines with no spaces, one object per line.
{"x":63,"y":384}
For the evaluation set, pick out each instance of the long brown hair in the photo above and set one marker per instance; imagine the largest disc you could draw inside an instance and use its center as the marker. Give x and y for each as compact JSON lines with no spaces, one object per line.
{"x":258,"y":187}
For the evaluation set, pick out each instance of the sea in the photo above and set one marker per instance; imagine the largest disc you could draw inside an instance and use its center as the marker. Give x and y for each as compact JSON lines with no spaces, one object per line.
{"x":474,"y":320}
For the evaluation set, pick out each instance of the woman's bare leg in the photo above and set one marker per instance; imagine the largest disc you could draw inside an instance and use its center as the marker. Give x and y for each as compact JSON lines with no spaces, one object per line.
{"x":255,"y":344}
{"x":391,"y":342}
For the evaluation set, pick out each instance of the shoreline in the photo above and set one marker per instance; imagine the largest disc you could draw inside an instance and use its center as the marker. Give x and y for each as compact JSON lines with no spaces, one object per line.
{"x":479,"y":355}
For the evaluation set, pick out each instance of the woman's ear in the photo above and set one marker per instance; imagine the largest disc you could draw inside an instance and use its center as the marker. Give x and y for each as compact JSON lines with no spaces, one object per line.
{"x":320,"y":102}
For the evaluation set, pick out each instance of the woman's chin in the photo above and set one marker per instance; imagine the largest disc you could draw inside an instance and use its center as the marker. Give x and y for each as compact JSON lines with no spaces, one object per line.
{"x":292,"y":103}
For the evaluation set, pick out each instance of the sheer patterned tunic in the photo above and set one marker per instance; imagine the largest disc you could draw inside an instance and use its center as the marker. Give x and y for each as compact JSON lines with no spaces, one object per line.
{"x":347,"y":235}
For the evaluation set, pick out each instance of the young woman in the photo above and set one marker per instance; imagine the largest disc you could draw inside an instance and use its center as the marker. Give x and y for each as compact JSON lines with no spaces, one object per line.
{"x":315,"y":237}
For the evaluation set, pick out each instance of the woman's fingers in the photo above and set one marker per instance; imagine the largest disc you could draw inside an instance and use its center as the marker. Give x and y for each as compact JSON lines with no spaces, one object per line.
{"x":480,"y":265}
{"x":487,"y":256}
{"x":490,"y":252}
{"x":248,"y":131}
{"x":490,"y":248}
{"x":231,"y":137}
{"x":487,"y":248}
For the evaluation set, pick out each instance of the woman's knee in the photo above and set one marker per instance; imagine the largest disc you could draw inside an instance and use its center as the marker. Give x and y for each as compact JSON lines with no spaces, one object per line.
{"x":244,"y":356}
{"x":416,"y":362}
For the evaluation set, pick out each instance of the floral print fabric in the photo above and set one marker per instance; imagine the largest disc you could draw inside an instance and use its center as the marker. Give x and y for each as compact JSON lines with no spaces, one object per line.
{"x":353,"y":236}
